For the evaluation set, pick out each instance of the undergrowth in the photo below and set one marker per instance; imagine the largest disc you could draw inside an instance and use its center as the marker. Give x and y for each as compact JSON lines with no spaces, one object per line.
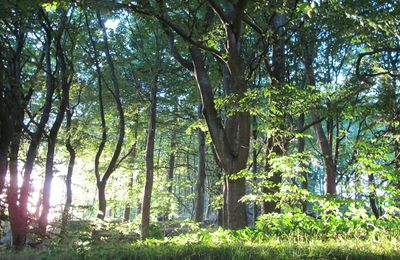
{"x":275,"y":236}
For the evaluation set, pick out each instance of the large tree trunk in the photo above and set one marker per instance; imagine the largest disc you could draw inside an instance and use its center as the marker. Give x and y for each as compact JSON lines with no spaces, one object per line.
{"x":5,"y":134}
{"x":236,"y":189}
{"x":148,"y":187}
{"x":230,"y":138}
{"x":18,"y":219}
{"x":17,"y":205}
{"x":201,"y":177}
{"x":232,"y":141}
{"x":19,"y":216}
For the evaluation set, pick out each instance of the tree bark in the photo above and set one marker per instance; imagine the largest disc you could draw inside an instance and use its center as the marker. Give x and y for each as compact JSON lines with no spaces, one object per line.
{"x":201,"y":177}
{"x":231,"y":142}
{"x":101,"y":189}
{"x":148,"y":187}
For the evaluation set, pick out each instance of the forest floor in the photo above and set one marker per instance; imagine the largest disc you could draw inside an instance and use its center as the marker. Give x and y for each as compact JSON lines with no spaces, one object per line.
{"x":184,"y":249}
{"x":283,"y":236}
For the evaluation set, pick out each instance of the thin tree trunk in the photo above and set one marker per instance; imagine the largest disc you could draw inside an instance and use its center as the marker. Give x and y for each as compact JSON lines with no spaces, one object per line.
{"x":68,"y":180}
{"x":146,"y":203}
{"x":330,"y":167}
{"x":372,"y":196}
{"x":323,"y":142}
{"x":270,"y":206}
{"x":103,"y":141}
{"x":127,"y":210}
{"x":201,"y":177}
{"x":171,"y":168}
{"x":255,"y":167}
{"x":303,"y":174}
{"x":277,"y":75}
{"x":102,"y":181}
{"x":52,"y":139}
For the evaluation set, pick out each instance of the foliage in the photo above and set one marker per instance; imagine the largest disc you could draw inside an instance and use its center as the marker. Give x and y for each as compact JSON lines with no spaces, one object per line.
{"x":277,"y":236}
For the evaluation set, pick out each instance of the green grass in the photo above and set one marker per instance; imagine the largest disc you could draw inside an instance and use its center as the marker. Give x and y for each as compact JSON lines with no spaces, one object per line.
{"x":193,"y":246}
{"x":284,"y":236}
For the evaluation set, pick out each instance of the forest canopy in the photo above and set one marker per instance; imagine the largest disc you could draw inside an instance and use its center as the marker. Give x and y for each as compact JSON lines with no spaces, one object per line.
{"x":165,"y":117}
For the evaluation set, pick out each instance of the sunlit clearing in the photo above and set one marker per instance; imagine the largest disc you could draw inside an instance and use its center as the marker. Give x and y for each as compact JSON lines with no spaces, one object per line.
{"x":58,"y":191}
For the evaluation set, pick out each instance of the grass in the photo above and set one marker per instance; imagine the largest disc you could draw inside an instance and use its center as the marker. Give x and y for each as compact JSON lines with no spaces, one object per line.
{"x":274,"y":237}
{"x":191,"y":247}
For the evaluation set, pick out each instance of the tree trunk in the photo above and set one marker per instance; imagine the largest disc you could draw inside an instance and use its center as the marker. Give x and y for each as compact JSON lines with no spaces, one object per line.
{"x":102,"y":181}
{"x":231,"y":141}
{"x":271,"y":205}
{"x":146,"y":203}
{"x":201,"y":177}
{"x":4,"y":146}
{"x":68,"y":180}
{"x":17,"y":205}
{"x":18,"y":218}
{"x":236,"y":189}
{"x":127,"y":210}
{"x":372,"y":196}
{"x":52,"y":139}
{"x":323,"y":142}
{"x":303,"y":174}
{"x":330,"y":167}
{"x":102,"y":201}
{"x":277,"y":75}
{"x":5,"y":127}
{"x":255,"y":167}
{"x":171,"y":168}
